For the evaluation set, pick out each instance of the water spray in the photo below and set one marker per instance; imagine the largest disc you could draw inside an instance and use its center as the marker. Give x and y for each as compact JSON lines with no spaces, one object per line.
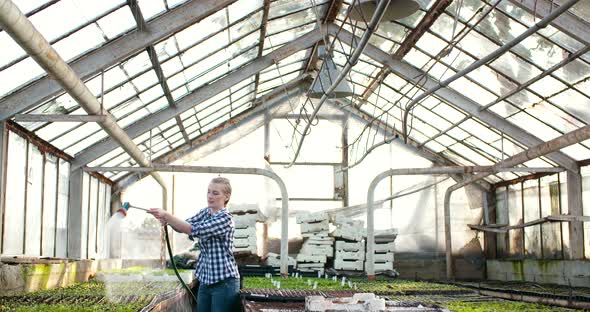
{"x":123,"y":211}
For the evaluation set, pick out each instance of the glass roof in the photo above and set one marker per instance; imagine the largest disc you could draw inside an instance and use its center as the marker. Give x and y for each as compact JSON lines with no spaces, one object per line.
{"x":540,"y":84}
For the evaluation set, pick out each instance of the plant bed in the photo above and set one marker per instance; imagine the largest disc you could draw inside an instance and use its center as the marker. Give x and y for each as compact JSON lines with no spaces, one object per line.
{"x":89,"y":296}
{"x":380,"y":286}
{"x":452,"y":297}
{"x":143,"y":274}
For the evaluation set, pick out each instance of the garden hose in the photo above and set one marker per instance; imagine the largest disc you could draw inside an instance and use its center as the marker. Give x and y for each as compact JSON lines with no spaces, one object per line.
{"x":174,"y":264}
{"x":125,"y":207}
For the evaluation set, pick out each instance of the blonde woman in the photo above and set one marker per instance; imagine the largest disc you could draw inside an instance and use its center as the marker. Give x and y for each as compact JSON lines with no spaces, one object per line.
{"x":216,"y":269}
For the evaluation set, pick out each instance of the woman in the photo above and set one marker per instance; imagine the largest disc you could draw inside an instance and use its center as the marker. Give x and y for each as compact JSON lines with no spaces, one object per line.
{"x":216,"y":270}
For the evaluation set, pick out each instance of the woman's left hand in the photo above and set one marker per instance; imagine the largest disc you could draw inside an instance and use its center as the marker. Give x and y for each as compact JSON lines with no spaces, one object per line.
{"x":159,"y":214}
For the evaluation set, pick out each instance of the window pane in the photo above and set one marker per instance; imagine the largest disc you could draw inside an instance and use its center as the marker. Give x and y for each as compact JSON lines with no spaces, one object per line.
{"x":34,"y":198}
{"x":49,"y":205}
{"x":61,"y":242}
{"x":14,"y":212}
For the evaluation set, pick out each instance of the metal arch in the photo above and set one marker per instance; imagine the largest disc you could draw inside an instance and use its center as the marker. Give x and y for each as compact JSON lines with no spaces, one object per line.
{"x":230,"y":170}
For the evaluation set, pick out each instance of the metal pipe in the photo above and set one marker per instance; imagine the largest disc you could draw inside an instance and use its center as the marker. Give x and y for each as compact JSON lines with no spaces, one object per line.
{"x":503,"y":49}
{"x":539,"y":150}
{"x":232,"y":170}
{"x":370,"y":267}
{"x":379,"y":11}
{"x":16,"y":24}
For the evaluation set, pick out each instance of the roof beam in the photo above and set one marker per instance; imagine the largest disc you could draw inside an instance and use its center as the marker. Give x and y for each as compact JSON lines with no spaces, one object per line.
{"x":59,"y":118}
{"x":435,"y":11}
{"x":110,"y":54}
{"x":153,"y":56}
{"x":200,"y":95}
{"x":244,"y":123}
{"x":263,"y":25}
{"x":160,"y":74}
{"x":456,"y":99}
{"x":567,"y":23}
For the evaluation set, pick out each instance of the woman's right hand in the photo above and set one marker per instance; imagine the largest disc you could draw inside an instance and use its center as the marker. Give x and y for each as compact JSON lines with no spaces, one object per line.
{"x":159,"y":214}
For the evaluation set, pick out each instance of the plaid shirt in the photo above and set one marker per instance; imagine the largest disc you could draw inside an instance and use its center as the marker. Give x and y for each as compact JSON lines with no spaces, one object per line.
{"x":216,"y":239}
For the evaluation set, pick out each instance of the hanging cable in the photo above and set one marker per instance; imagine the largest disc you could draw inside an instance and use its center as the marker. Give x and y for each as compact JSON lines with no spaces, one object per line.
{"x":379,"y":11}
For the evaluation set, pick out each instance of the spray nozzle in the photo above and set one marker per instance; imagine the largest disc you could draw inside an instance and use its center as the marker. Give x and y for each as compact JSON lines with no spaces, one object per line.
{"x":127,"y":205}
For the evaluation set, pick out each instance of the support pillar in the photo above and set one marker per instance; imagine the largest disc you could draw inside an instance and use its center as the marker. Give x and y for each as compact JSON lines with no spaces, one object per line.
{"x":75,"y":215}
{"x":344,"y":193}
{"x":3,"y":166}
{"x":576,"y":228}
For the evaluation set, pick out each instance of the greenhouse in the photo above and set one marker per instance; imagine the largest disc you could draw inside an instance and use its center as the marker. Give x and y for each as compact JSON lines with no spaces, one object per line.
{"x":383,"y":155}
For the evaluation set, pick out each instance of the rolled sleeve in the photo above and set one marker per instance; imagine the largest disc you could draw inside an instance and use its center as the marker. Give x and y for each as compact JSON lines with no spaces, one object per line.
{"x":195,"y":220}
{"x":218,"y":225}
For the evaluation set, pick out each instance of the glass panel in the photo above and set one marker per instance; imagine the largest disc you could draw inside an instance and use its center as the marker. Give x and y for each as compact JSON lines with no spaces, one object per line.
{"x":72,"y":13}
{"x":61,"y":242}
{"x":49,"y":205}
{"x":19,"y":74}
{"x":34,"y":199}
{"x":295,"y":19}
{"x":541,"y":130}
{"x":565,"y":235}
{"x":86,"y":142}
{"x":502,"y":245}
{"x":532,"y":234}
{"x":515,"y":237}
{"x":103,"y":216}
{"x":151,"y":8}
{"x":82,"y":41}
{"x":242,"y":8}
{"x":551,"y":231}
{"x":10,"y":49}
{"x":14,"y":214}
{"x":27,"y":6}
{"x":70,"y":140}
{"x":274,"y":40}
{"x":84,"y":216}
{"x":575,"y":103}
{"x":92,"y":217}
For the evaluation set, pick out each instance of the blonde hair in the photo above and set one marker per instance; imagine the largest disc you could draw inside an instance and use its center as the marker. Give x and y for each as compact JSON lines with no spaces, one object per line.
{"x":224,"y":182}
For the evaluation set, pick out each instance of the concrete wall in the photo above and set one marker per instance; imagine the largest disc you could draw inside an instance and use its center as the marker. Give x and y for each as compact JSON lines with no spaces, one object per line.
{"x":435,"y":269}
{"x":564,"y":272}
{"x":31,"y":276}
{"x":20,"y":277}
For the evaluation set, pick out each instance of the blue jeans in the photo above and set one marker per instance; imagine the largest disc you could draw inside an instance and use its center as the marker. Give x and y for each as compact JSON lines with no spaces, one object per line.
{"x":219,"y":297}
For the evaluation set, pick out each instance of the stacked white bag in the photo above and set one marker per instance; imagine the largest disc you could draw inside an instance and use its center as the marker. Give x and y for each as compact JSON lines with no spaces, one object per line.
{"x":384,"y":247}
{"x":274,"y":260}
{"x":350,"y":245}
{"x":245,"y":218}
{"x":317,"y":245}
